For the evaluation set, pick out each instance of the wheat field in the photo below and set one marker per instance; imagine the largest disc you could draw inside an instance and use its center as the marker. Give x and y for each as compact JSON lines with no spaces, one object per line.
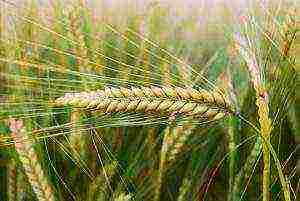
{"x":153,"y":100}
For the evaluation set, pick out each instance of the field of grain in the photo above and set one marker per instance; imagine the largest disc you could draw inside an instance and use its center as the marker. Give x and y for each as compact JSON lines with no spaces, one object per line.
{"x":154,"y":100}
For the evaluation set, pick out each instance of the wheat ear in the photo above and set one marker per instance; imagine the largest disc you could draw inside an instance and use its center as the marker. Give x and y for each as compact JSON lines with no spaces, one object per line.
{"x":247,"y":52}
{"x":263,"y":114}
{"x":12,"y":190}
{"x":29,"y":159}
{"x":78,"y":138}
{"x":155,"y":100}
{"x":16,"y":183}
{"x":179,"y":137}
{"x":173,"y":143}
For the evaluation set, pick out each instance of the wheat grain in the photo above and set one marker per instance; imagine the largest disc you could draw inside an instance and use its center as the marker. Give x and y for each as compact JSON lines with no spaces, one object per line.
{"x":155,"y":100}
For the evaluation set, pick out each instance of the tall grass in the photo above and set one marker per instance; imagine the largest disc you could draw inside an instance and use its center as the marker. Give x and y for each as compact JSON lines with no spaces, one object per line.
{"x":148,"y":100}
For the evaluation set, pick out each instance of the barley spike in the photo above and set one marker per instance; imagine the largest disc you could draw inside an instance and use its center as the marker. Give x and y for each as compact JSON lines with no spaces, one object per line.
{"x":29,"y":159}
{"x":153,"y":100}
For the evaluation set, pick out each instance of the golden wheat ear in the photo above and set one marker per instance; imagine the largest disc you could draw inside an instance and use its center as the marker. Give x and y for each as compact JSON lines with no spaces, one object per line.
{"x":160,"y":101}
{"x":30,"y":162}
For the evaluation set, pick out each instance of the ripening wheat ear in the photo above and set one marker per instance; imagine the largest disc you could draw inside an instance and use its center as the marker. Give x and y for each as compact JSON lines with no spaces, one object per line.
{"x":29,"y":160}
{"x":262,"y":104}
{"x":179,"y":137}
{"x":246,"y":48}
{"x":152,"y":100}
{"x":78,"y":138}
{"x":161,"y":101}
{"x":16,"y":183}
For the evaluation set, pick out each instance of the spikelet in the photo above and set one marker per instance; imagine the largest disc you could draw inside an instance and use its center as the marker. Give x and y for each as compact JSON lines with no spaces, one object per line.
{"x":154,"y":100}
{"x":29,"y":159}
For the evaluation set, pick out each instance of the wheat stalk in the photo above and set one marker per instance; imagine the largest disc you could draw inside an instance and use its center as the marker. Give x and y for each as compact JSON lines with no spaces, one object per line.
{"x":155,"y":100}
{"x":29,"y":159}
